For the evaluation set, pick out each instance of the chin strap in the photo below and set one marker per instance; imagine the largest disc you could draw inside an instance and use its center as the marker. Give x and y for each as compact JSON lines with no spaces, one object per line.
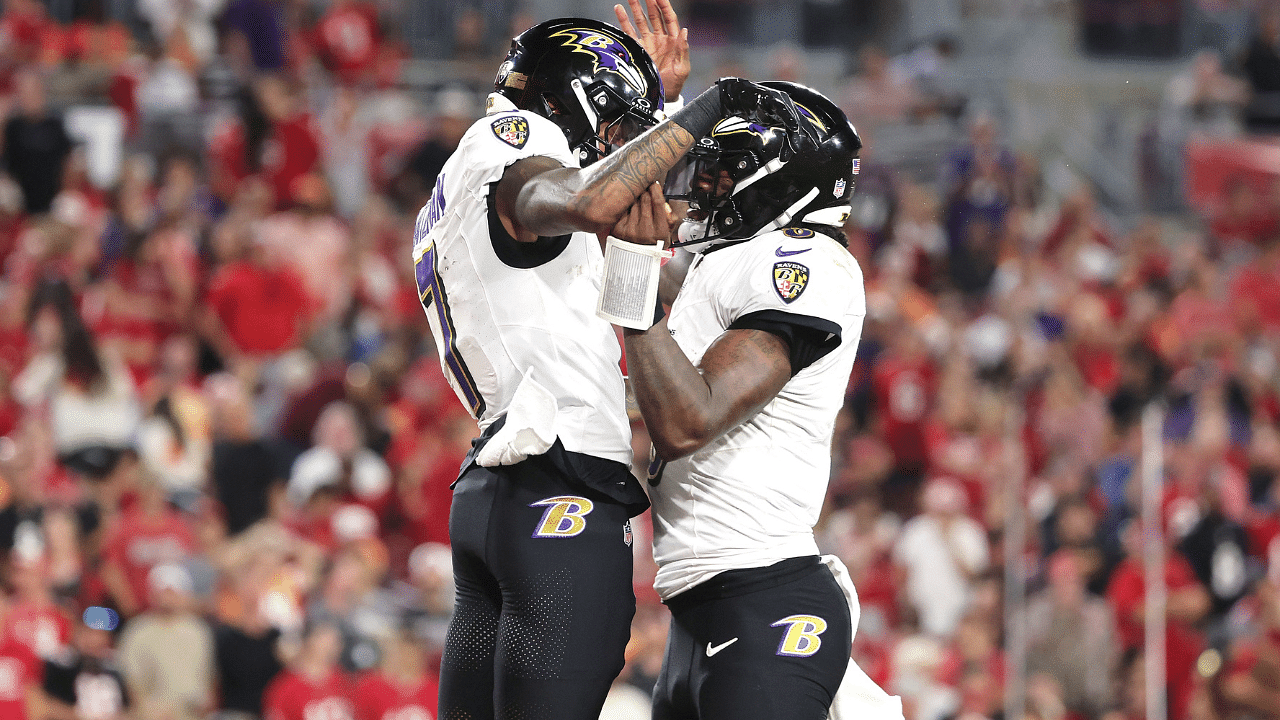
{"x":785,"y":218}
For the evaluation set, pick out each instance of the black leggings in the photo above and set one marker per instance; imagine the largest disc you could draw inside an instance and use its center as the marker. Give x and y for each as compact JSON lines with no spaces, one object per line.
{"x":544,"y":597}
{"x":767,"y":643}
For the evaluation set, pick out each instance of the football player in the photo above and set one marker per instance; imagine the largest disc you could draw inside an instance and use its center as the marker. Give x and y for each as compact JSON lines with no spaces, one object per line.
{"x":739,"y":388}
{"x":508,"y":261}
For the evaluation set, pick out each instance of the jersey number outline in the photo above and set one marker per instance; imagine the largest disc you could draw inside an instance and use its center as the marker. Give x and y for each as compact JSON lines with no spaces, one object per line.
{"x":431,"y":293}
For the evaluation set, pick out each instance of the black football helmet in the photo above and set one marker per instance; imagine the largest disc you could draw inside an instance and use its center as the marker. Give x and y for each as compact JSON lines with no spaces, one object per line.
{"x":748,"y":177}
{"x":583,"y":74}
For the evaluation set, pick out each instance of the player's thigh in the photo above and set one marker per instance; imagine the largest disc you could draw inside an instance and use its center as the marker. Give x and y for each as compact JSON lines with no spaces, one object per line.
{"x":776,"y":654}
{"x":478,"y":598}
{"x":672,"y":698}
{"x":467,"y":667}
{"x":769,"y":694}
{"x":473,"y":629}
{"x":562,"y":556}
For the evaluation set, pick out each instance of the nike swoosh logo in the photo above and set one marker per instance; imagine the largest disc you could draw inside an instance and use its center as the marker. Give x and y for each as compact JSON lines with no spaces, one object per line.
{"x":787,"y":253}
{"x":713,"y":649}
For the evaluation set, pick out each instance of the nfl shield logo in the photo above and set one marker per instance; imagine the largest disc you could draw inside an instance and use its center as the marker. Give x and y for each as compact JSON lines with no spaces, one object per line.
{"x":789,"y":280}
{"x":627,"y":537}
{"x":513,"y":131}
{"x":838,"y":190}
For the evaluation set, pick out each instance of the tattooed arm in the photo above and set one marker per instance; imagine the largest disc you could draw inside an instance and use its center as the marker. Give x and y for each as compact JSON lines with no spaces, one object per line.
{"x":538,"y":197}
{"x":687,"y":407}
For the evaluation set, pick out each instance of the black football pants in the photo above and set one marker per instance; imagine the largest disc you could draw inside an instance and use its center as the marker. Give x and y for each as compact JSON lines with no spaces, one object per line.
{"x":769,"y":643}
{"x":544,"y":598}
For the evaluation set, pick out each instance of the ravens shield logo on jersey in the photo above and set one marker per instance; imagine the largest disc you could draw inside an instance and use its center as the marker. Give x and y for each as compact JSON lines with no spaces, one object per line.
{"x":789,"y":280}
{"x":513,"y":130}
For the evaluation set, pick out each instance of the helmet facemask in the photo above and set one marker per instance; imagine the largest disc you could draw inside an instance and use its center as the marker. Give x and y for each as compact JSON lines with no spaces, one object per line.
{"x":597,"y":119}
{"x":724,"y":176}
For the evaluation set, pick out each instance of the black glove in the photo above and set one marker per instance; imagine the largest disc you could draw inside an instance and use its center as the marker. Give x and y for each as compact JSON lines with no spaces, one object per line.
{"x":735,"y":97}
{"x":767,"y":106}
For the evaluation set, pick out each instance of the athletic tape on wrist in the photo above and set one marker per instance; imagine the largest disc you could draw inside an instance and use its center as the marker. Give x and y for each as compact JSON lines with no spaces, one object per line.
{"x":699,"y":115}
{"x":629,"y":289}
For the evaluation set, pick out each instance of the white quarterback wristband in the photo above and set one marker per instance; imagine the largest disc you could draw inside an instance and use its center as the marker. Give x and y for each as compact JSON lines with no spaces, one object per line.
{"x":629,"y":291}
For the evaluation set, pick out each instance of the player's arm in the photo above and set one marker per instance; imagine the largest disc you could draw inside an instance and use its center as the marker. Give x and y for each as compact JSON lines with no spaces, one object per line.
{"x":686,"y":407}
{"x":539,"y":197}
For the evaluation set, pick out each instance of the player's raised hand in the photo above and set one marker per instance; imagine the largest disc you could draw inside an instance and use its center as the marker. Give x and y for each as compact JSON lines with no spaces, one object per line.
{"x":666,"y":42}
{"x":648,"y":221}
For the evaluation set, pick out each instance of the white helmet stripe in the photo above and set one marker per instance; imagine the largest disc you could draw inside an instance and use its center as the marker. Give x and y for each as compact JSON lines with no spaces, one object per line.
{"x":581,"y":94}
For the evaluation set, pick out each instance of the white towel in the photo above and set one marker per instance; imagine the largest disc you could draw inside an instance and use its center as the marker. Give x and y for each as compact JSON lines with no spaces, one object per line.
{"x":858,"y":698}
{"x":530,"y":427}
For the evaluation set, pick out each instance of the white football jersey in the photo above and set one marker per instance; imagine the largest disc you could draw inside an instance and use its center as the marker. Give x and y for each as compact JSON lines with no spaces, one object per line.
{"x":498,"y":307}
{"x":751,"y":497}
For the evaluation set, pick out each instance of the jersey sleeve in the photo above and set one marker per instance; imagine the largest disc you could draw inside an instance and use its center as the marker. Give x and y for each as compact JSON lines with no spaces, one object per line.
{"x":800,"y":287}
{"x":496,"y":141}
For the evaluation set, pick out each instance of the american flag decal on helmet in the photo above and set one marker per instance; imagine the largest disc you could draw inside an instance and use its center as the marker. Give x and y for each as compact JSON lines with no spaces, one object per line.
{"x":855,"y":166}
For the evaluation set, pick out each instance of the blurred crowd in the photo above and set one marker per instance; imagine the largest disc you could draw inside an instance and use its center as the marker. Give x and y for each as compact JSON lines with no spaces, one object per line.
{"x":221,"y":414}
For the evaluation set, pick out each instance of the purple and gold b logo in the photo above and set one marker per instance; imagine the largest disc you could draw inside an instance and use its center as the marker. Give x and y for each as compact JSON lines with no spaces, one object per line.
{"x":802,"y":636}
{"x":608,"y":53}
{"x":565,"y":516}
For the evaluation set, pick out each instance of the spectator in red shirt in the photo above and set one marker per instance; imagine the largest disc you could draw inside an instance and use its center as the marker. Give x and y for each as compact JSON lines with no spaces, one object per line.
{"x":347,"y":39}
{"x":326,"y":267}
{"x":965,"y":436}
{"x":148,"y":295}
{"x":24,"y":22}
{"x":401,"y":688}
{"x":1255,"y":292}
{"x":313,"y":687}
{"x":1188,"y":602}
{"x":429,"y":466}
{"x":257,"y":306}
{"x":1244,"y":219}
{"x":1201,"y":314}
{"x":150,"y":534}
{"x":1093,"y":342}
{"x":272,"y":137}
{"x":20,"y":672}
{"x":904,"y":383}
{"x":34,"y":618}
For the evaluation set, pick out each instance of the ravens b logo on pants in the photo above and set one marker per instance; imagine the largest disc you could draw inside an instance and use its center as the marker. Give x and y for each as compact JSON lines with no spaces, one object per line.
{"x":565,"y":516}
{"x":801,"y":638}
